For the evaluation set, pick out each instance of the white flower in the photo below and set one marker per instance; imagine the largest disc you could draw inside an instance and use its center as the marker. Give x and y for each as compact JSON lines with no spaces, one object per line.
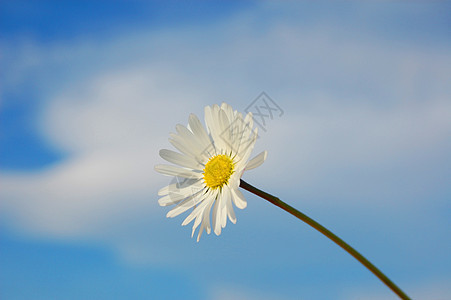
{"x":210,"y":166}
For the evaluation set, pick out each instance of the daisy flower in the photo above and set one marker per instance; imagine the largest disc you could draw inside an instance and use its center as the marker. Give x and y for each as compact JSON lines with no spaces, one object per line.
{"x":209,"y":167}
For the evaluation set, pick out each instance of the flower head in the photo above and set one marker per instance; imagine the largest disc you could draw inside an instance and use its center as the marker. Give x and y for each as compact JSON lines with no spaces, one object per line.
{"x":209,"y":167}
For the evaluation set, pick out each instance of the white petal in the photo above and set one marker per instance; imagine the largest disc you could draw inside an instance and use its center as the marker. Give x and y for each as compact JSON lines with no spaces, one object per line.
{"x":244,"y":135}
{"x":238,"y":199}
{"x":215,"y":217}
{"x":208,"y":118}
{"x":187,"y":138}
{"x":185,"y":205}
{"x":228,"y":110}
{"x":180,"y":159}
{"x":200,"y":210}
{"x":249,"y":119}
{"x":176,"y":194}
{"x":199,"y":130}
{"x":177,"y":171}
{"x":163,"y":191}
{"x":224,"y":130}
{"x":236,"y":132}
{"x":171,"y":199}
{"x":179,"y":144}
{"x":214,"y":127}
{"x":206,"y":218}
{"x":205,"y":221}
{"x":234,"y":181}
{"x":223,"y":207}
{"x":180,"y":184}
{"x":198,"y":220}
{"x":198,"y":217}
{"x":190,"y":218}
{"x":247,"y":148}
{"x":200,"y":232}
{"x":256,"y":161}
{"x":195,"y":213}
{"x":229,"y":206}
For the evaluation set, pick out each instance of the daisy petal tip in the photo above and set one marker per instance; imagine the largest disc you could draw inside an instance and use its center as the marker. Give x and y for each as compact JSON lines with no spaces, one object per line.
{"x":218,"y":231}
{"x":162,"y":153}
{"x":158,"y":168}
{"x":170,"y":214}
{"x":257,"y":160}
{"x":241,"y":204}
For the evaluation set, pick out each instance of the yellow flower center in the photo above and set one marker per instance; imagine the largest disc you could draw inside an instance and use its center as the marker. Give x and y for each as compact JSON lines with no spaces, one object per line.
{"x":218,"y":170}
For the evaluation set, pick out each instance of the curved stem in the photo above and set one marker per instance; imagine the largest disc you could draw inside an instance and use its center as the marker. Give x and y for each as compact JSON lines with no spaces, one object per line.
{"x":276,"y":201}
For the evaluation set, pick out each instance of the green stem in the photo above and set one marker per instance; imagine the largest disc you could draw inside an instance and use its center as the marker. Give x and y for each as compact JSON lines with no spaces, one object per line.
{"x":276,"y":201}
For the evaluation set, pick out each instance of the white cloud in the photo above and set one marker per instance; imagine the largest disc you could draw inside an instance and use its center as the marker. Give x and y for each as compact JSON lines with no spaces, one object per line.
{"x":128,"y":108}
{"x":82,"y":195}
{"x":325,"y":135}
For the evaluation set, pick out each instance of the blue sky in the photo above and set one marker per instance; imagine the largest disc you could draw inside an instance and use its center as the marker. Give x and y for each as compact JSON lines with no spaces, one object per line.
{"x":90,"y":91}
